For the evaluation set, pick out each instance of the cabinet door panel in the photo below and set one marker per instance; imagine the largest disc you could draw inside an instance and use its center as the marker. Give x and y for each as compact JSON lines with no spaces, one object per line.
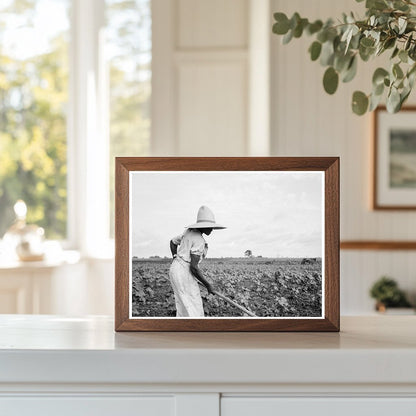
{"x":273,"y":406}
{"x":88,"y":406}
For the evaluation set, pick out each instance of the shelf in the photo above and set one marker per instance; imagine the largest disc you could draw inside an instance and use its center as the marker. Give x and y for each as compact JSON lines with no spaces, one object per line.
{"x":378,"y":245}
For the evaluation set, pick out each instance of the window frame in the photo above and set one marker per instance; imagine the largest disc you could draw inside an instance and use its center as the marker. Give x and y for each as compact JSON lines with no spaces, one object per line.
{"x":87,"y":133}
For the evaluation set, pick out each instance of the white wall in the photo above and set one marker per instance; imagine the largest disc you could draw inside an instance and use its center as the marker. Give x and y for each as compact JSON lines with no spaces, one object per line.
{"x":308,"y":122}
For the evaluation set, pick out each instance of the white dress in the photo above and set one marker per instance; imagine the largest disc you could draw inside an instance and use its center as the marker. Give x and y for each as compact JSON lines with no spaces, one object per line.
{"x":185,"y":285}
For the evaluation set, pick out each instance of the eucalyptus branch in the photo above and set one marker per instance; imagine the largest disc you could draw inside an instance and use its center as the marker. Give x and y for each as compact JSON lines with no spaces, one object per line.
{"x":389,"y":25}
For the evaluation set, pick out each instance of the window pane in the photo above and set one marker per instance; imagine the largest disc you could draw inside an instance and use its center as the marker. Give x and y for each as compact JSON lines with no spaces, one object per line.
{"x":33,"y":100}
{"x":129,"y":46}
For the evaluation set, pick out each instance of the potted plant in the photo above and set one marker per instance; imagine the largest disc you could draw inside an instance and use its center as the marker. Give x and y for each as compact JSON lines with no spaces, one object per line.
{"x":389,"y":27}
{"x":387,"y":294}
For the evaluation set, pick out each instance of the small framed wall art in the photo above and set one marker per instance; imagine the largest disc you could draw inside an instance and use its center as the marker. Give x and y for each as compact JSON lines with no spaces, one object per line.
{"x":394,"y":159}
{"x":227,"y":244}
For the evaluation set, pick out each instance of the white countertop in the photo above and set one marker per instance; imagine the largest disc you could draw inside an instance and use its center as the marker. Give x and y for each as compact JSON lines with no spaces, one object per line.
{"x":46,"y":349}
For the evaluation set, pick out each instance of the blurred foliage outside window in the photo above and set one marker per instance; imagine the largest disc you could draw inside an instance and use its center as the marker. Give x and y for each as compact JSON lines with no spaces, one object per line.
{"x":33,"y":100}
{"x":34,"y":72}
{"x":129,"y":52}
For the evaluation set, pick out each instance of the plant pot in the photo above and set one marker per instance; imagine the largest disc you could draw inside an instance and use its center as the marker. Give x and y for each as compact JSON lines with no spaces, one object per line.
{"x":382,"y":309}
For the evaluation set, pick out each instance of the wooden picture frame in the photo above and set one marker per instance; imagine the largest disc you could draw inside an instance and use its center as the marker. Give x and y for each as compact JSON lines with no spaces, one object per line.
{"x":130,"y":168}
{"x":394,"y":145}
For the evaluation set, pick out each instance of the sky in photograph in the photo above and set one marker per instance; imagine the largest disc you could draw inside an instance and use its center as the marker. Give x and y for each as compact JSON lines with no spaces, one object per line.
{"x":273,"y":214}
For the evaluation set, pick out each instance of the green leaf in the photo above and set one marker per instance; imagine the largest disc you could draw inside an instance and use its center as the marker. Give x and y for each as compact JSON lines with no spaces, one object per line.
{"x":322,"y":36}
{"x":281,"y":27}
{"x":332,"y":33}
{"x":288,"y":37}
{"x":394,"y":26}
{"x":412,"y":70}
{"x":400,"y":5}
{"x":298,"y":30}
{"x":359,"y":103}
{"x":351,"y":71}
{"x":402,"y":24}
{"x":374,"y":101}
{"x":379,"y":75}
{"x":404,"y":95}
{"x":395,"y":52}
{"x":366,"y":53}
{"x":341,"y":61}
{"x":366,"y":48}
{"x":403,"y":56}
{"x":330,"y":80}
{"x":408,"y":42}
{"x":367,"y":42}
{"x":314,"y":27}
{"x":336,"y":42}
{"x":393,"y":101}
{"x":376,"y":4}
{"x":378,"y":89}
{"x":327,"y":53}
{"x":399,"y":85}
{"x":294,"y":20}
{"x":355,"y":41}
{"x":348,"y":34}
{"x":315,"y":50}
{"x":411,"y":76}
{"x":389,"y":43}
{"x":382,"y":19}
{"x":397,"y":71}
{"x":412,"y":52}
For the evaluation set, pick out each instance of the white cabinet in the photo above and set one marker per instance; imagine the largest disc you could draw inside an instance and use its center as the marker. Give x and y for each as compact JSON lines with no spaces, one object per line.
{"x":272,"y":406}
{"x":88,"y":406}
{"x":203,"y":405}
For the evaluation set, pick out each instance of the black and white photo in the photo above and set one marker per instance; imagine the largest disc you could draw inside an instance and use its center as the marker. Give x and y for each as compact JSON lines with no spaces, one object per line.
{"x":227,"y":244}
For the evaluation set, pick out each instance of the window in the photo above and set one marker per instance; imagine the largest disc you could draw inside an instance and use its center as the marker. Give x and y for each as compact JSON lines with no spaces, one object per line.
{"x":75,"y":87}
{"x":129,"y":43}
{"x":33,"y":100}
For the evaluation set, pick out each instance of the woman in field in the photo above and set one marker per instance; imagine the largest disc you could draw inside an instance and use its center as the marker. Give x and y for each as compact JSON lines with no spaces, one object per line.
{"x":188,"y":250}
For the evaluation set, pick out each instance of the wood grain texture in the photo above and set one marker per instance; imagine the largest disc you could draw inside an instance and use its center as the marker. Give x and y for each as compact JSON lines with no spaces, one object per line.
{"x":329,"y":165}
{"x":378,"y":245}
{"x":332,"y":226}
{"x":226,"y":163}
{"x":122,"y":260}
{"x":376,"y":168}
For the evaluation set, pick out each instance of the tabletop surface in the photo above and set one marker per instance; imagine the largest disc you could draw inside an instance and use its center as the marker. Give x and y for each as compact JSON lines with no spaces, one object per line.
{"x":48,"y":332}
{"x":55,"y":349}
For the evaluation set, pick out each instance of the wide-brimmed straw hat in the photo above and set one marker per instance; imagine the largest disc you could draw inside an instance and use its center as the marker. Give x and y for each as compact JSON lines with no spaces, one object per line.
{"x":206,"y":219}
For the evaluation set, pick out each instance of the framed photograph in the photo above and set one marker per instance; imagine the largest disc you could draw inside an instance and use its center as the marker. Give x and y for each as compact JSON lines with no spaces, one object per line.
{"x":227,"y":244}
{"x":394,"y":180}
